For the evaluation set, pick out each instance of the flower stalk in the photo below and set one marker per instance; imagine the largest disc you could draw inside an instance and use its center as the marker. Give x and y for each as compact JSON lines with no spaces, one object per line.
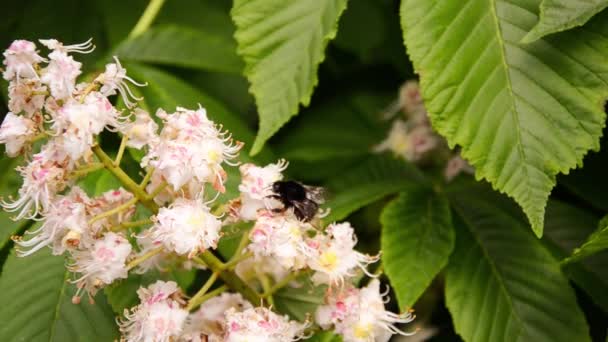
{"x":196,"y":300}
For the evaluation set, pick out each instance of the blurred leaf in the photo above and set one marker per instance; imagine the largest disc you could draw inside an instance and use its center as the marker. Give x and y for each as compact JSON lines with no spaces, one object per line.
{"x":373,"y":179}
{"x":282,"y":44}
{"x":43,"y":19}
{"x":362,"y":42}
{"x":521,"y":113}
{"x":502,"y":284}
{"x":302,"y":302}
{"x":122,"y":294}
{"x":325,"y":336}
{"x":183,"y":47}
{"x":119,"y":17}
{"x":417,"y":240}
{"x":345,"y":127}
{"x":567,"y":227}
{"x":583,"y":181}
{"x":37,"y":297}
{"x":229,"y":89}
{"x":10,"y":181}
{"x":562,"y":15}
{"x":597,"y":242}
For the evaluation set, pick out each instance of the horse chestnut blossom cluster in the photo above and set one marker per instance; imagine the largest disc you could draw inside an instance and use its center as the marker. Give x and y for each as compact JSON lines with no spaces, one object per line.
{"x":414,"y":140}
{"x":54,"y":123}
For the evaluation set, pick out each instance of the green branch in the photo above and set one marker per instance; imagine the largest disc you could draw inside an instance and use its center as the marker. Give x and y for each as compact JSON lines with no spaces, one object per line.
{"x":147,"y":18}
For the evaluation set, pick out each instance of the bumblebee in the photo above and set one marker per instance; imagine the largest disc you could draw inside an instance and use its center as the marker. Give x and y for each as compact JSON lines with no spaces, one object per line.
{"x":304,"y":200}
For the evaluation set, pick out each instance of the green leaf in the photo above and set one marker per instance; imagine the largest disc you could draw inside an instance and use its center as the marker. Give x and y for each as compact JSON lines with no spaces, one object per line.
{"x":417,"y":240}
{"x":183,"y":47}
{"x":522,"y":113}
{"x":562,"y":15}
{"x":106,"y":182}
{"x":37,"y":295}
{"x":302,"y":302}
{"x":282,"y":44}
{"x":597,"y":242}
{"x":372,"y":180}
{"x":503,"y":285}
{"x":566,"y":228}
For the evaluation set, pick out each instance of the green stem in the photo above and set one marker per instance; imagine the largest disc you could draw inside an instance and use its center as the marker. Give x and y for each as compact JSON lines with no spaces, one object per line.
{"x":196,"y":300}
{"x":121,"y":150}
{"x":288,"y":279}
{"x":124,"y":179}
{"x":39,"y":136}
{"x":86,"y":170}
{"x":126,"y":225}
{"x":158,"y":189}
{"x":147,"y":178}
{"x":116,"y":210}
{"x":236,"y":259}
{"x":143,"y":258}
{"x":212,"y":294}
{"x":232,"y":280}
{"x":147,"y":18}
{"x":267,"y":289}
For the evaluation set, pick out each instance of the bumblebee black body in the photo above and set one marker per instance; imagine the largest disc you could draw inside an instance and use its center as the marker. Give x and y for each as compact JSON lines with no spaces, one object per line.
{"x":303,"y":199}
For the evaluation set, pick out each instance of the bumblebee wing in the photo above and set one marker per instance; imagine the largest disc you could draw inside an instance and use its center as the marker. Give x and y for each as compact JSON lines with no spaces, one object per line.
{"x":315,"y":193}
{"x":305,"y":210}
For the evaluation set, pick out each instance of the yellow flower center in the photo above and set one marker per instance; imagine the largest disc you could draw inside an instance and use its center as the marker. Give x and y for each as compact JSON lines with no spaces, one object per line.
{"x":328,"y":259}
{"x":197,"y":219}
{"x":363,"y":331}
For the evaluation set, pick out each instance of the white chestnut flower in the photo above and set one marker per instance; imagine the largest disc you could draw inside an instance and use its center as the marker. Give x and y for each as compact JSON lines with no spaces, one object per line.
{"x":55,"y":45}
{"x":64,"y":226}
{"x":190,"y":148}
{"x":101,"y":264}
{"x":26,"y":96}
{"x":156,"y":262}
{"x":78,"y":123}
{"x":140,"y":132}
{"x":455,"y":166}
{"x":251,"y":268}
{"x":410,"y":144}
{"x":158,"y":292}
{"x":159,"y":316}
{"x":281,"y":237}
{"x":411,"y":103}
{"x":60,"y":75}
{"x":186,"y":227}
{"x":16,"y":131}
{"x":21,"y":59}
{"x":115,"y":78}
{"x":106,"y":202}
{"x":208,"y":321}
{"x":255,"y":187}
{"x":44,"y":176}
{"x":359,"y":315}
{"x":333,"y":256}
{"x":260,"y":324}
